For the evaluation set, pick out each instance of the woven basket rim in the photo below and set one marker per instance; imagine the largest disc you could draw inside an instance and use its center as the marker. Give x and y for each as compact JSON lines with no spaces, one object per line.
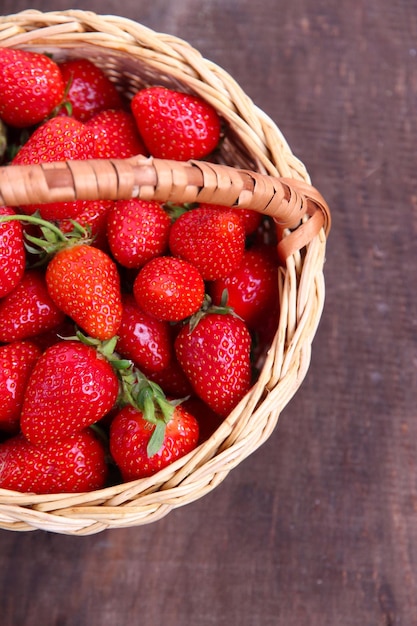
{"x":256,"y":141}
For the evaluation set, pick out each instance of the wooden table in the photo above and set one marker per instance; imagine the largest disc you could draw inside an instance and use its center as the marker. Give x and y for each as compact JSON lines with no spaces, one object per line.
{"x":319,"y":526}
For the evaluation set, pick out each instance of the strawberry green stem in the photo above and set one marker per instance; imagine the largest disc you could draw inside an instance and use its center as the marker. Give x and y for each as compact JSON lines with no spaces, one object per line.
{"x":53,"y":239}
{"x":176,"y":210}
{"x":208,"y":308}
{"x":37,"y":221}
{"x":148,"y":398}
{"x":65,"y":103}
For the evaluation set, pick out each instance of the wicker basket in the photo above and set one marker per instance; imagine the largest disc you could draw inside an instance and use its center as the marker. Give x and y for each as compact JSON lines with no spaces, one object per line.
{"x":256,"y":169}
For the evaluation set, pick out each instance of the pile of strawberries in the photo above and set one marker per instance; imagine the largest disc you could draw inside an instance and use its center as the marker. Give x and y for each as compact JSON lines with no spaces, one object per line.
{"x":128,"y":329}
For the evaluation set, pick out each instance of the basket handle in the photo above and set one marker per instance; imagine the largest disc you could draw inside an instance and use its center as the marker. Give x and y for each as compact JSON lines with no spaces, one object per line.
{"x":286,"y":200}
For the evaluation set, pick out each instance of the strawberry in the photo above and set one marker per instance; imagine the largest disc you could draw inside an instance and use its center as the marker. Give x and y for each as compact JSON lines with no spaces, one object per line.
{"x":137,"y":231}
{"x":211,"y":240}
{"x":251,"y":219}
{"x":12,"y":253}
{"x":58,"y":139}
{"x":169,"y":288}
{"x":175,"y":125}
{"x":31,"y":86}
{"x":116,"y":135}
{"x":71,"y":386}
{"x":130,"y":434}
{"x":16,"y":363}
{"x":74,"y":465}
{"x":84,"y":283}
{"x":143,"y":339}
{"x":252,"y":288}
{"x":28,"y":310}
{"x":90,"y":90}
{"x":215,"y":356}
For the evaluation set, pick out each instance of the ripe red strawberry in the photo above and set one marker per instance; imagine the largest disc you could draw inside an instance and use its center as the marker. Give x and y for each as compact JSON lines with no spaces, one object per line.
{"x":130,"y":434}
{"x":84,"y":283}
{"x":215,"y":355}
{"x":175,"y":125}
{"x":16,"y":363}
{"x":142,"y":339}
{"x":74,"y":465}
{"x":169,"y":288}
{"x":71,"y":386}
{"x":12,"y":253}
{"x":251,"y":219}
{"x":116,"y":135}
{"x":90,"y":90}
{"x":58,"y":139}
{"x":211,"y":240}
{"x":252,"y":288}
{"x":31,"y":86}
{"x":28,"y":310}
{"x":137,"y":231}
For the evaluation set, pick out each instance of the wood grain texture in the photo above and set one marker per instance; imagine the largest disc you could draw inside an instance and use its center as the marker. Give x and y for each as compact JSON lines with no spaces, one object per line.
{"x":319,"y":526}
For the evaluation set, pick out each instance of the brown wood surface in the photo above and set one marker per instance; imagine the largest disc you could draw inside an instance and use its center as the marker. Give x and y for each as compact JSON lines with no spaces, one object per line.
{"x":319,"y":526}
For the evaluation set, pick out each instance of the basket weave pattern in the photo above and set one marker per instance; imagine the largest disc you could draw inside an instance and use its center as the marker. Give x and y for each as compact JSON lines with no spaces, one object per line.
{"x":256,"y":169}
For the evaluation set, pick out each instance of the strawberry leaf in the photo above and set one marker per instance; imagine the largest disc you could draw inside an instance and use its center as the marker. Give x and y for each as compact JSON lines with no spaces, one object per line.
{"x":156,"y":441}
